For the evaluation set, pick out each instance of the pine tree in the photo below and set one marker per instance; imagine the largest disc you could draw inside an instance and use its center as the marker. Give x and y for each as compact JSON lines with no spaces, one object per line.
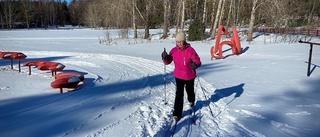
{"x":196,"y":30}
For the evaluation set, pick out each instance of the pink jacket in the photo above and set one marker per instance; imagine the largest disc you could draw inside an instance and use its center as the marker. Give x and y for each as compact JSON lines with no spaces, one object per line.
{"x":182,"y":62}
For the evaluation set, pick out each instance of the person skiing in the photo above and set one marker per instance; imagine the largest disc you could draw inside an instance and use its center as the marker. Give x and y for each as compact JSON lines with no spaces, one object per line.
{"x":186,"y":61}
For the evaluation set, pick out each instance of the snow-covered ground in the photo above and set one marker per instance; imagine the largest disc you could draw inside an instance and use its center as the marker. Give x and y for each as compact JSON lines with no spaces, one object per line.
{"x":262,"y":92}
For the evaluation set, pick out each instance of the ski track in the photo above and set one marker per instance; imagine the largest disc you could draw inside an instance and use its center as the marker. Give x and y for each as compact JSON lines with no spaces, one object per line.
{"x":151,"y":119}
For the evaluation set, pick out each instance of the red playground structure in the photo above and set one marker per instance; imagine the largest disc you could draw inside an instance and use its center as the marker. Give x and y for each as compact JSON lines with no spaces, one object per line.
{"x":216,"y":51}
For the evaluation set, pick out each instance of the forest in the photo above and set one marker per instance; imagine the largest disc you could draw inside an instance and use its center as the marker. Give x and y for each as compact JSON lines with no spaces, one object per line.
{"x":149,"y":14}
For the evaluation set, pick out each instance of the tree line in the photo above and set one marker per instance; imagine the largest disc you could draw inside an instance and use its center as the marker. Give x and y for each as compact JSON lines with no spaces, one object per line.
{"x":192,"y":15}
{"x":33,"y":13}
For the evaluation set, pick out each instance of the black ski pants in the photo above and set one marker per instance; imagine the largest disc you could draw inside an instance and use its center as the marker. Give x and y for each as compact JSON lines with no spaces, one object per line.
{"x":178,"y":103}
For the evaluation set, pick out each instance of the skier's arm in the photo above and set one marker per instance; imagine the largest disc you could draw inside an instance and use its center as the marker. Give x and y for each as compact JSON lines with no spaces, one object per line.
{"x":167,"y":60}
{"x":196,"y":59}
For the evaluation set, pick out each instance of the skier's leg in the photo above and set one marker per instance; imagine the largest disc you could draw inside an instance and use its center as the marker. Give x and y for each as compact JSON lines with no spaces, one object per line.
{"x":178,"y":103}
{"x":190,"y":91}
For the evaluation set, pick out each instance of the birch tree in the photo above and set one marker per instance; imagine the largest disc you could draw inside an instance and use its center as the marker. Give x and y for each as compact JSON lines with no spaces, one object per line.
{"x":27,"y":9}
{"x":312,"y":6}
{"x":252,"y":19}
{"x":9,"y":12}
{"x":134,"y":19}
{"x":222,"y":12}
{"x":147,"y":19}
{"x":204,"y":14}
{"x":231,"y":7}
{"x":212,"y":15}
{"x":165,"y":19}
{"x":218,"y":13}
{"x":180,"y":15}
{"x":183,"y":12}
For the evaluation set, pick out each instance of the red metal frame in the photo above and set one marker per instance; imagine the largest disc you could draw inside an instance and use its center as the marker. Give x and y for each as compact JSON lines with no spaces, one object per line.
{"x":234,"y":43}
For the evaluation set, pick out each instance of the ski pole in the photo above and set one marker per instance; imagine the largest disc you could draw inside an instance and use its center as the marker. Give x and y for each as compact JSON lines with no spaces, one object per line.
{"x":164,"y":82}
{"x":202,"y":89}
{"x":205,"y":96}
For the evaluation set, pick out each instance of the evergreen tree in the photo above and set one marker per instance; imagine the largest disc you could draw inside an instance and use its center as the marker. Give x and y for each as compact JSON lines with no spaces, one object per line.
{"x":196,"y":30}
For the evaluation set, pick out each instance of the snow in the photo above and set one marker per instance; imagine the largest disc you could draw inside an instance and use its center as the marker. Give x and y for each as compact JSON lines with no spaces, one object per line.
{"x":262,"y":92}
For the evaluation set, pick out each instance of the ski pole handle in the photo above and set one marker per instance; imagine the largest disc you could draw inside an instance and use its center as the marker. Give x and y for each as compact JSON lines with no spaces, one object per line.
{"x":164,"y":81}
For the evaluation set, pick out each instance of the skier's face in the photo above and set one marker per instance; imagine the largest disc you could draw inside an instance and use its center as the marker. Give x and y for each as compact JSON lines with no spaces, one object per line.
{"x":180,"y":44}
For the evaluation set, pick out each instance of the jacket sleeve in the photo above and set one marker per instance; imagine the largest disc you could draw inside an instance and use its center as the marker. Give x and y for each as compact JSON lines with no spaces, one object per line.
{"x":169,"y":58}
{"x":195,"y":58}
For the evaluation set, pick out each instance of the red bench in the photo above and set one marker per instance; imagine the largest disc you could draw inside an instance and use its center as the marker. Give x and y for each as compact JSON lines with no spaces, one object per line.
{"x":45,"y":65}
{"x":67,"y":80}
{"x":32,"y":63}
{"x":13,"y":55}
{"x":70,"y":74}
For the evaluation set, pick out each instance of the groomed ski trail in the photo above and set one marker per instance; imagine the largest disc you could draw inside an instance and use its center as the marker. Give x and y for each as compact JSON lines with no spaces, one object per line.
{"x":117,"y":84}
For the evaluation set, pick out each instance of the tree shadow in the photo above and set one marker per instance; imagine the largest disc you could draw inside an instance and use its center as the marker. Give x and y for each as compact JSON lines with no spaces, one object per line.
{"x":18,"y":113}
{"x":286,"y":105}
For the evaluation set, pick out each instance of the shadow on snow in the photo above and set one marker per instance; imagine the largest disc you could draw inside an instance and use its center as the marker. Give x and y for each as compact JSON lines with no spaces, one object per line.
{"x":68,"y":111}
{"x":219,"y":94}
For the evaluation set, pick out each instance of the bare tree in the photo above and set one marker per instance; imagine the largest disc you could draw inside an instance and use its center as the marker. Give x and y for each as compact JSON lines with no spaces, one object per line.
{"x":213,"y":15}
{"x":312,"y":7}
{"x":134,"y":18}
{"x":9,"y":12}
{"x":147,"y":21}
{"x":180,"y":15}
{"x":204,"y":14}
{"x":231,"y":7}
{"x":75,"y":8}
{"x":52,"y":13}
{"x":255,"y":5}
{"x":213,"y":34}
{"x":222,"y":12}
{"x":94,"y":14}
{"x":1,"y":19}
{"x":43,"y":13}
{"x":27,"y":9}
{"x":165,"y":19}
{"x":183,"y":11}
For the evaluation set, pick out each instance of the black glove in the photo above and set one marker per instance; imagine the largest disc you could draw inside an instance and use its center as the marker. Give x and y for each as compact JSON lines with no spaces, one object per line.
{"x":193,"y":66}
{"x":164,"y":55}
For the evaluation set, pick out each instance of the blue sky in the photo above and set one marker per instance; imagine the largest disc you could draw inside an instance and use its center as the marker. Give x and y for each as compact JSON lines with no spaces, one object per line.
{"x":68,"y":1}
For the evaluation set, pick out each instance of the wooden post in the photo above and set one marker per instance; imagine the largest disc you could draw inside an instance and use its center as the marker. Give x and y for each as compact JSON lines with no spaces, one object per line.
{"x":29,"y":70}
{"x":310,"y":56}
{"x":11,"y":62}
{"x":54,"y":73}
{"x":19,"y":65}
